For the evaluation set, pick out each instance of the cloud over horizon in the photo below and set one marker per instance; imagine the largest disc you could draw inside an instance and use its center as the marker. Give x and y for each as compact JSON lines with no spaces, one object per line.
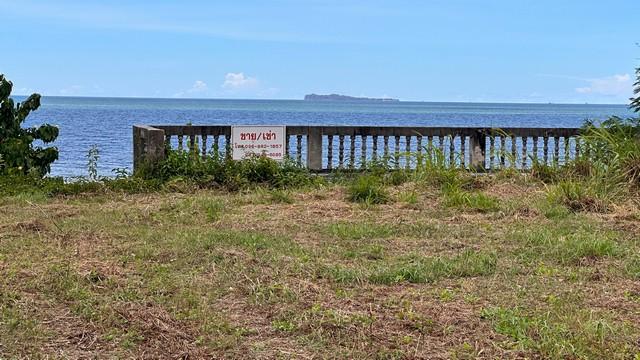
{"x":239,"y":82}
{"x":199,"y":87}
{"x":615,"y":85}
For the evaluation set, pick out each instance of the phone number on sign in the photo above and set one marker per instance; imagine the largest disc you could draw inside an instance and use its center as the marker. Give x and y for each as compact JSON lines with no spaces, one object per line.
{"x":258,"y":146}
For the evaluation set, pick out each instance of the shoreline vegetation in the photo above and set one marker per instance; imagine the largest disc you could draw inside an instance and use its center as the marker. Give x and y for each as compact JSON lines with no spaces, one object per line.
{"x":204,"y":257}
{"x":337,"y":97}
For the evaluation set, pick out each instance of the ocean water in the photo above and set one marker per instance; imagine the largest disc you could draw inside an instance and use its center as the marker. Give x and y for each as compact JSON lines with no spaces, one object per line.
{"x":107,"y":122}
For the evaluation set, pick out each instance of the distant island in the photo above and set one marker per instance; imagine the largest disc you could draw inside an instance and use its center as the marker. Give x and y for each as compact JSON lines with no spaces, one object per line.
{"x":337,"y":97}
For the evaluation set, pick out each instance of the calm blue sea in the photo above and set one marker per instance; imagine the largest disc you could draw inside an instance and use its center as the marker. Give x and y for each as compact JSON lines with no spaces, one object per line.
{"x":107,"y":122}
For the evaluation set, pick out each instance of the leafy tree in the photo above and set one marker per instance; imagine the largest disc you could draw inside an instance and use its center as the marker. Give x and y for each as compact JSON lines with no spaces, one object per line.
{"x":17,"y":151}
{"x":635,"y":102}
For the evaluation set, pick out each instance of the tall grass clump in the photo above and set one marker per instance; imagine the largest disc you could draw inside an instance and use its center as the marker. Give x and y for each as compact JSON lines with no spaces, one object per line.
{"x":368,"y":189}
{"x":580,"y":196}
{"x":432,"y":169}
{"x":614,"y":149}
{"x":607,"y":170}
{"x":455,"y":196}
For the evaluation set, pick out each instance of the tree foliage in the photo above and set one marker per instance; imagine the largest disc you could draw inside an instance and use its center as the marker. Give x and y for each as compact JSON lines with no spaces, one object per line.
{"x":635,"y":102}
{"x":18,"y":153}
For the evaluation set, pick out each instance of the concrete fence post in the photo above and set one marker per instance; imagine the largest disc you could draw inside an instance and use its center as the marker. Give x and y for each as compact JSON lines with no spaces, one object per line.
{"x":477,"y":150}
{"x":314,"y":148}
{"x":148,"y":146}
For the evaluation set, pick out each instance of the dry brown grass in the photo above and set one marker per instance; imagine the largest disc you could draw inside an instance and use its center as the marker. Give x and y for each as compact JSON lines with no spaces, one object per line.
{"x":217,"y":275}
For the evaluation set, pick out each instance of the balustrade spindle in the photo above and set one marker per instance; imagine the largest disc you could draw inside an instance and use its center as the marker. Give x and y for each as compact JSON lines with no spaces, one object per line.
{"x":503,"y":151}
{"x":545,"y":149}
{"x":556,"y":149}
{"x":397,"y":152}
{"x":192,"y":143}
{"x":216,"y":146}
{"x":330,"y":152}
{"x":463,"y":151}
{"x":352,"y":151}
{"x":227,"y":146}
{"x":299,"y":149}
{"x":514,"y":155}
{"x":374,"y":151}
{"x":525,"y":141}
{"x":386,"y":148}
{"x":287,"y":146}
{"x":364,"y":151}
{"x":419,"y":150}
{"x":407,"y":156}
{"x":493,"y":156}
{"x":452,"y":151}
{"x":204,"y":146}
{"x":341,"y":151}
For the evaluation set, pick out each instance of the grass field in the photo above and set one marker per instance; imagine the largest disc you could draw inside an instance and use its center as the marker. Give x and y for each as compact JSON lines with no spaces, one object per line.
{"x":498,"y":272}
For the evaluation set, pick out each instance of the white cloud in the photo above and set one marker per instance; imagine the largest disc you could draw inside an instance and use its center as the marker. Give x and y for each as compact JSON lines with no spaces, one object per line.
{"x":199,"y":87}
{"x":238,"y":81}
{"x":616,"y":85}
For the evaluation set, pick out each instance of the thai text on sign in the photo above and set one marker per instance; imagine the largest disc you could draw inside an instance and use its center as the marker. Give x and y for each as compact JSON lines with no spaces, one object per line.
{"x":258,"y":140}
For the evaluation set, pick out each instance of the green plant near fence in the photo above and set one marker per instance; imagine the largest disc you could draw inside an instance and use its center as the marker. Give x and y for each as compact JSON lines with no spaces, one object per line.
{"x":214,"y":170}
{"x":19,"y":154}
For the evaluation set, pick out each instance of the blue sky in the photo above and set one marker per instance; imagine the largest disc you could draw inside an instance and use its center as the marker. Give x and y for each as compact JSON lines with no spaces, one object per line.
{"x":453,"y":50}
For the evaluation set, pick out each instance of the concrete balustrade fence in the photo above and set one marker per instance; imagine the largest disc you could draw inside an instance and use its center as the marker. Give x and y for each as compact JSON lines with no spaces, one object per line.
{"x":327,"y":148}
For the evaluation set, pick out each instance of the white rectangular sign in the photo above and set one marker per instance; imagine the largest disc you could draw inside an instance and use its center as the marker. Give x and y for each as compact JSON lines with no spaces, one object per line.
{"x":258,"y":140}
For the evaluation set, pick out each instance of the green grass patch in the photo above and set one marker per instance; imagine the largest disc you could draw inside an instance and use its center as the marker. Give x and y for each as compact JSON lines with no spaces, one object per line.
{"x":567,"y":246}
{"x":632,"y":267}
{"x":358,"y":231}
{"x":475,"y":201}
{"x":429,"y":269}
{"x":564,"y":332}
{"x":368,"y":189}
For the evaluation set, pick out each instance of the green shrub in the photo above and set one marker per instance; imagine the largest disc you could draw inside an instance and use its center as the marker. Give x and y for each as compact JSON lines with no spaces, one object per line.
{"x":214,"y":171}
{"x":368,"y":189}
{"x":19,"y":156}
